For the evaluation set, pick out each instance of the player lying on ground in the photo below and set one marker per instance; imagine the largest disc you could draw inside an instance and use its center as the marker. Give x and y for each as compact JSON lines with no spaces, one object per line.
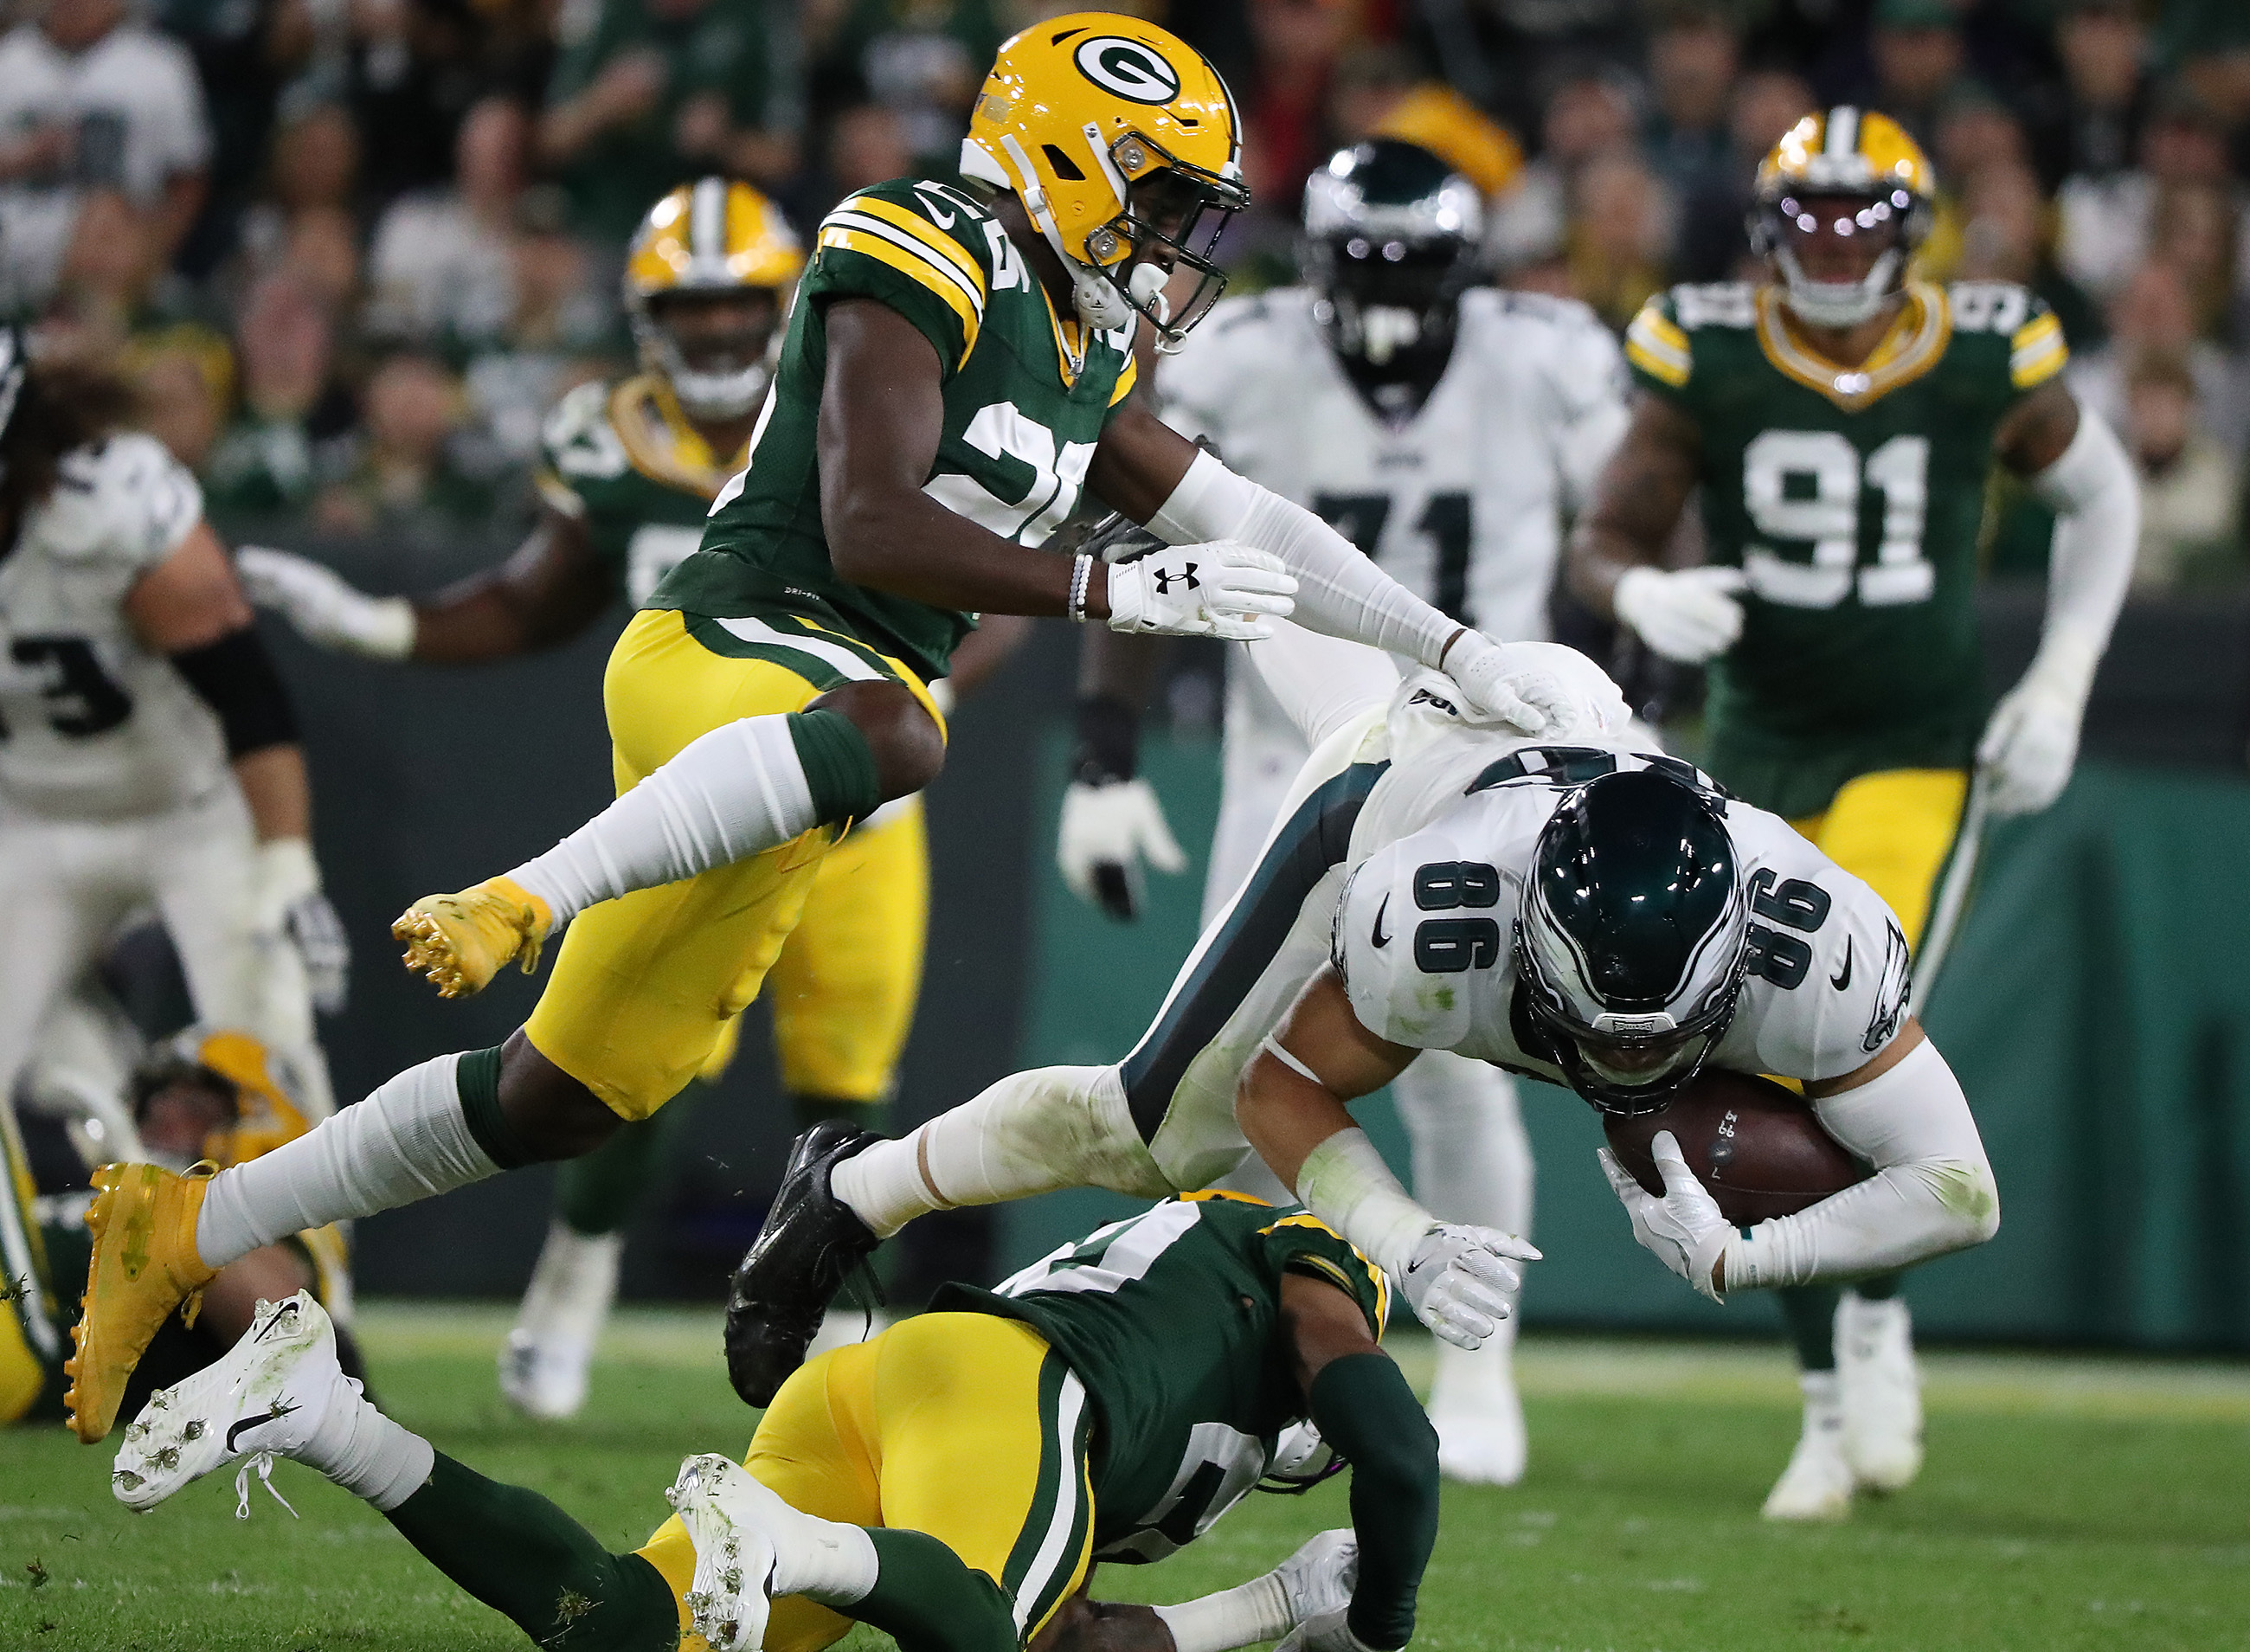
{"x":1839,"y":423}
{"x":215,"y":1094}
{"x":951,"y":1481}
{"x":933,"y":418}
{"x":631,"y":470}
{"x":1571,"y":909}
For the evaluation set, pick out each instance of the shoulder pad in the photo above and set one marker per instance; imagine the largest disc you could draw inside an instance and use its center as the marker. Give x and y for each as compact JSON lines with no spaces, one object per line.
{"x":580,"y":443}
{"x":2036,"y":349}
{"x":915,"y":206}
{"x":1407,"y":976}
{"x":1729,"y":304}
{"x":125,"y":500}
{"x":1538,"y":308}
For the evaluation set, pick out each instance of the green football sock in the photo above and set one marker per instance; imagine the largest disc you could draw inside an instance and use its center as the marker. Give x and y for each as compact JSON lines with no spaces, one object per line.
{"x":817,"y":1110}
{"x":1810,"y":1313}
{"x":598,"y":1192}
{"x":1880,"y":1287}
{"x":839,"y":768}
{"x":927,"y":1601}
{"x":524,"y":1558}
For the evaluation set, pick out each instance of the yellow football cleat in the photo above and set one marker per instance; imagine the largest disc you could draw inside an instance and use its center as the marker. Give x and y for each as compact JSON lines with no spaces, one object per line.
{"x":145,"y":1264}
{"x":460,"y":940}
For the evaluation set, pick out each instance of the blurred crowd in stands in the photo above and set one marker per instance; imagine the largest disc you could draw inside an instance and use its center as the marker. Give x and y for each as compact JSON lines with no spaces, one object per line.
{"x":352,"y":250}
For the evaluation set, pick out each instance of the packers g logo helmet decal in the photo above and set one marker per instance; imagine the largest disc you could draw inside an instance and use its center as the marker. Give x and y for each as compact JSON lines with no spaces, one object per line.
{"x":1126,"y":69}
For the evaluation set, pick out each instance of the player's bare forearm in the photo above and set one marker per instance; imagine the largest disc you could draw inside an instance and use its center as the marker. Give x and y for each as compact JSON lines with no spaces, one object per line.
{"x":1081,"y":1625}
{"x":984,"y":650}
{"x":882,"y":413}
{"x":279,"y":795}
{"x":547,"y":592}
{"x":1284,"y":1115}
{"x":1637,"y":501}
{"x":1140,"y":460}
{"x":1323,"y":1325}
{"x":2037,"y":430}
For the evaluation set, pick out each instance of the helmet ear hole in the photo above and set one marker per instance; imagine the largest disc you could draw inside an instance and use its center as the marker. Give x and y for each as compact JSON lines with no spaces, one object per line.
{"x":1063,"y":166}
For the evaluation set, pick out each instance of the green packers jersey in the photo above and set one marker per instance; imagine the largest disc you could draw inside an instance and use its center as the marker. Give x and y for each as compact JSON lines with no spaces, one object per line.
{"x":1172,"y":1322}
{"x":623,"y":459}
{"x":1026,"y":396}
{"x":1851,"y":500}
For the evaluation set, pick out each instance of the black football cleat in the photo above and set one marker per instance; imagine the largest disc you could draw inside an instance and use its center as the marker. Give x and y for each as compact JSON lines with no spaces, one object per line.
{"x":808,"y":1246}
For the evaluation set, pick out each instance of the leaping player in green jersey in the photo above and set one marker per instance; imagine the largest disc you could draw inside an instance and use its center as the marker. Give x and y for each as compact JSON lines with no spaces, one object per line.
{"x":958,"y":365}
{"x":1841,"y":420}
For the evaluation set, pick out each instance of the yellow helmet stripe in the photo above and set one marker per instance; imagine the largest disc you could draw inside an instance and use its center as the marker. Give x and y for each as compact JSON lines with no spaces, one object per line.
{"x":887,"y":246}
{"x":935,"y":240}
{"x":1843,"y":135}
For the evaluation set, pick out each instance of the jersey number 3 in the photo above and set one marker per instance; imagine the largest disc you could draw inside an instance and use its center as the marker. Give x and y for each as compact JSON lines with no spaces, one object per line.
{"x":82,"y":700}
{"x":1805,"y":486}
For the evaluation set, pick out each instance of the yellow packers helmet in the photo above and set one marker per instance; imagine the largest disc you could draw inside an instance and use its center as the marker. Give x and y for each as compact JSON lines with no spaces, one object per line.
{"x":1125,"y":149}
{"x":713,"y":238}
{"x":1859,"y":156}
{"x":258,"y":1087}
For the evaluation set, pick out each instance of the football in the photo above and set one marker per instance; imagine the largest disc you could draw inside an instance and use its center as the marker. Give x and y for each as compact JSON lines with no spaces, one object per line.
{"x":1754,"y":1144}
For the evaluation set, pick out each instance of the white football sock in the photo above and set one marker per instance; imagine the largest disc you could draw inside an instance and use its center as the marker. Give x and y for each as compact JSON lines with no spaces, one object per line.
{"x":366,"y":1453}
{"x":407,"y":1141}
{"x":823,"y":1560}
{"x":1824,"y":1402}
{"x":732,"y":793}
{"x":1035,"y":1132}
{"x":1244,"y":1616}
{"x":572,"y":1286}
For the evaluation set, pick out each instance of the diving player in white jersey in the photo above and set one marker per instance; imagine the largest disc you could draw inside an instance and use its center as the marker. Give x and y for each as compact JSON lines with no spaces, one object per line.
{"x":1562,"y":905}
{"x":1448,"y":430}
{"x":147,"y":753}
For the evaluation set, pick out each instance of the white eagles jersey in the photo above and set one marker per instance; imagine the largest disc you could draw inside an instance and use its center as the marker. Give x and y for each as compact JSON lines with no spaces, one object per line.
{"x":1463,"y":503}
{"x":92,"y":724}
{"x":1423,"y":937}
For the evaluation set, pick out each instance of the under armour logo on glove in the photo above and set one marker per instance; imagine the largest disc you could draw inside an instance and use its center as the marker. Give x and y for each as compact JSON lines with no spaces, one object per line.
{"x":1220,"y":589}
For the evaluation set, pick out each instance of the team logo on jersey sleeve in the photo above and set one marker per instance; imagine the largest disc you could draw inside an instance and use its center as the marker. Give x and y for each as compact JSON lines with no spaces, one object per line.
{"x":1128,"y":69}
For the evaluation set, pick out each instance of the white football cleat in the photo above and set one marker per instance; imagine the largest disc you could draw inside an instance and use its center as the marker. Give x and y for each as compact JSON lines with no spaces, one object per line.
{"x":1321,"y":1576}
{"x":1881,"y":1391}
{"x":730,"y":1518}
{"x":545,"y":1361}
{"x":1479,"y":1415}
{"x":266,"y":1397}
{"x":1817,"y":1484}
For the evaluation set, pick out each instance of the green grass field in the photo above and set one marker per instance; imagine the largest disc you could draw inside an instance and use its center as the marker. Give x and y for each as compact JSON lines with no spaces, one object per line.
{"x":2069,"y":1503}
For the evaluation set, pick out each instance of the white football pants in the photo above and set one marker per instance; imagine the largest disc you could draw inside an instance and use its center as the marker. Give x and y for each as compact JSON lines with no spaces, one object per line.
{"x":67,"y":887}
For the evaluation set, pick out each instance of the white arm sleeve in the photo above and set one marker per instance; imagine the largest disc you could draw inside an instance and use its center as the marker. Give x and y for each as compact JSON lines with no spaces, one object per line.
{"x":1322,"y":682}
{"x":1932,"y":1191}
{"x":2097,"y":505}
{"x":1340,"y":591}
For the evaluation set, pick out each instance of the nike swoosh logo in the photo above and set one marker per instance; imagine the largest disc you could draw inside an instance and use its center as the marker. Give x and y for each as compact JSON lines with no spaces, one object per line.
{"x":1842,"y":978}
{"x":1380,"y":939}
{"x":281,"y":1408}
{"x":938,"y":215}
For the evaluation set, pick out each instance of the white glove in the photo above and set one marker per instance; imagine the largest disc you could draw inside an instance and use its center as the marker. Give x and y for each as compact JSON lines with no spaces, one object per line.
{"x":1461,"y":1280}
{"x":1500,"y":684}
{"x":1108,"y":831}
{"x":324,"y":608}
{"x":2031,"y":744}
{"x":1687,"y":614}
{"x":1684,"y":1229}
{"x":1222,"y":589}
{"x":1326,"y":1632}
{"x":1318,"y":1580}
{"x":287,"y":903}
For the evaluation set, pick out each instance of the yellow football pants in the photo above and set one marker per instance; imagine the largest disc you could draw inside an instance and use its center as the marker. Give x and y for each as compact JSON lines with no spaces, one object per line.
{"x":1898,"y":831}
{"x":644,"y":986}
{"x":966,"y":1426}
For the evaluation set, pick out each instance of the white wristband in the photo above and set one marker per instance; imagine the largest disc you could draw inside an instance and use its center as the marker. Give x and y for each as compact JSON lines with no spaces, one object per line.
{"x":1345,"y":1183}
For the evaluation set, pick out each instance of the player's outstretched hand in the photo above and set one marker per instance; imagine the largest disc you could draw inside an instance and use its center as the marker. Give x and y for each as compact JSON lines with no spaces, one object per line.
{"x":2029,"y":748}
{"x":323,"y":607}
{"x":1318,"y":1580}
{"x":1461,"y":1280}
{"x":1108,"y":831}
{"x":1225,"y":590}
{"x":1684,"y":1229}
{"x":1687,"y":614}
{"x":1326,"y":1632}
